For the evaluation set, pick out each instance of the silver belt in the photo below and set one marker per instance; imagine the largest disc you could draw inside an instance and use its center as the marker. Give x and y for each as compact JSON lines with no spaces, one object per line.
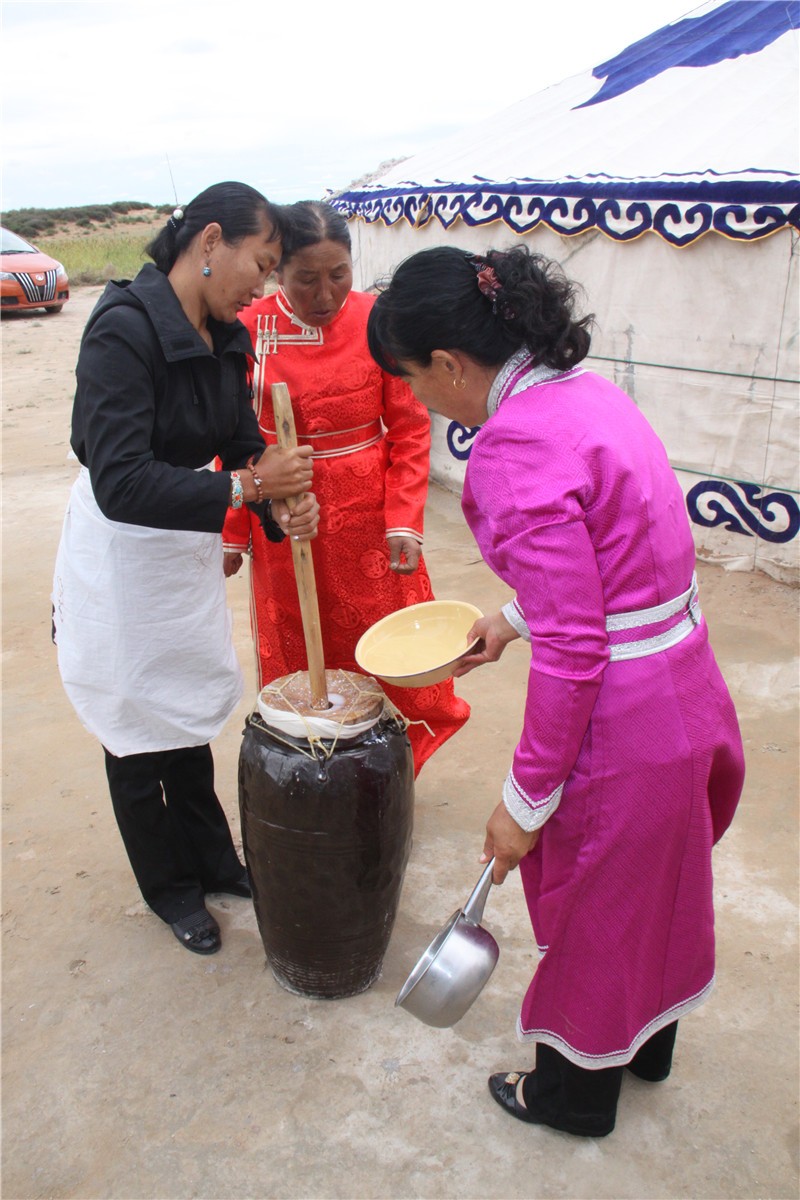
{"x":652,"y":616}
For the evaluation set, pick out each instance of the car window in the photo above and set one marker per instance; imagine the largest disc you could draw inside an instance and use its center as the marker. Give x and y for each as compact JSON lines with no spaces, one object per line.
{"x":11,"y":243}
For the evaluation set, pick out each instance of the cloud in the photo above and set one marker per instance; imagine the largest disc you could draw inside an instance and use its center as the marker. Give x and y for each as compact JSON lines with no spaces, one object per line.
{"x":191,"y":46}
{"x":96,"y":95}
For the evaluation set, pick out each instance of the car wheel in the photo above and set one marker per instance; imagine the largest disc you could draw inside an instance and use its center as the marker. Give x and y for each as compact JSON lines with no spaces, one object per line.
{"x":55,"y":309}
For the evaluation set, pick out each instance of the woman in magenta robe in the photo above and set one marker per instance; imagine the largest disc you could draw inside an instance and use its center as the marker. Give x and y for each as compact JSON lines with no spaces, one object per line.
{"x":629,"y":766}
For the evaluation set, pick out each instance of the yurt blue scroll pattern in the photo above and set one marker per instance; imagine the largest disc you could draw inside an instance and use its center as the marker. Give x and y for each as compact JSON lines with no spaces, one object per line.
{"x":738,"y":507}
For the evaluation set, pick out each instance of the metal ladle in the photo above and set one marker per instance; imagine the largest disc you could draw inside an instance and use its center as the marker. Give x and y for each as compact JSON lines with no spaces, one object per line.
{"x":456,"y":965}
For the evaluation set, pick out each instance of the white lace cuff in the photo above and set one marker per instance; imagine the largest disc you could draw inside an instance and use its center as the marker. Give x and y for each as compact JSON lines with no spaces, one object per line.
{"x":516,"y":618}
{"x":528,"y":813}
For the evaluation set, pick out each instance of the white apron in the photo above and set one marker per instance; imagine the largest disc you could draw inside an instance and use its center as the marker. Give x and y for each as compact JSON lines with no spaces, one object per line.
{"x":143,"y":630}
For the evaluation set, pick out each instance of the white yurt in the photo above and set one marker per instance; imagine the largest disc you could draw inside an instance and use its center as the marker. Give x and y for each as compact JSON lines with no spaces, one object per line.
{"x":666,"y":181}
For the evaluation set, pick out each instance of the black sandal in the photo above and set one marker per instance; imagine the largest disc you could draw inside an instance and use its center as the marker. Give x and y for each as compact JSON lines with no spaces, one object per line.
{"x":198,"y":932}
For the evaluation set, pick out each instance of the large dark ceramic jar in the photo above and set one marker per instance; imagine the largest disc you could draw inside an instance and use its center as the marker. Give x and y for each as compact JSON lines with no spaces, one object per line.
{"x":326,"y":842}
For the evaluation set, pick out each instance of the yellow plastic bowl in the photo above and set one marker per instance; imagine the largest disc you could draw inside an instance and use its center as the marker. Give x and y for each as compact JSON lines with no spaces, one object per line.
{"x":419,"y":645}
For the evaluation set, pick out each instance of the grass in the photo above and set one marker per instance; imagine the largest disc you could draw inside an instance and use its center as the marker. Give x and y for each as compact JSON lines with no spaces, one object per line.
{"x":99,"y":256}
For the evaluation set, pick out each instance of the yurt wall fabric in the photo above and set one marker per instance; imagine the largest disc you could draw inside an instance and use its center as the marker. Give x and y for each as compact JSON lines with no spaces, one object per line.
{"x":696,"y":306}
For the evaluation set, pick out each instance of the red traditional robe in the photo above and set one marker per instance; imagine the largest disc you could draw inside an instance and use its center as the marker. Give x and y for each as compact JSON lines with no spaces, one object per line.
{"x":371,"y":442}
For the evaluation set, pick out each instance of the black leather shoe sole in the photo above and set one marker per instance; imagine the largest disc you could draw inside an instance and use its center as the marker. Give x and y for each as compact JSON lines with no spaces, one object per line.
{"x":198,"y":932}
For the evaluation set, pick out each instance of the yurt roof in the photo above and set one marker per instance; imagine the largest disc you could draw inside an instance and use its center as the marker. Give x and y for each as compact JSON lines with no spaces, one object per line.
{"x":693,"y":129}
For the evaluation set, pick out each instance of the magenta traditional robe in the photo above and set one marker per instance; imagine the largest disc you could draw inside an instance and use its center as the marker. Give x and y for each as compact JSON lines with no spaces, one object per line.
{"x":632,"y":766}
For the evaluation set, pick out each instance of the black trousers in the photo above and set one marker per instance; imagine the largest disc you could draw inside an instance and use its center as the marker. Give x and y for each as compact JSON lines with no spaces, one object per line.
{"x":572,"y":1098}
{"x":173,"y":826}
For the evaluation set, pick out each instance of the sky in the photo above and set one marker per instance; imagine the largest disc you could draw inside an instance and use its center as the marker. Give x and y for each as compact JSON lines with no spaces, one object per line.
{"x":153,"y":100}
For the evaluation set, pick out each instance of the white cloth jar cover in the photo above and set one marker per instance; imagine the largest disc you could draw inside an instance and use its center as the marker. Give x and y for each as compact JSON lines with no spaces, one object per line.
{"x":356,"y":703}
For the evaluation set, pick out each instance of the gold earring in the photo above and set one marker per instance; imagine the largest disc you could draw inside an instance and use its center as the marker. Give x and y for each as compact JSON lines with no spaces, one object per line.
{"x":460,"y":384}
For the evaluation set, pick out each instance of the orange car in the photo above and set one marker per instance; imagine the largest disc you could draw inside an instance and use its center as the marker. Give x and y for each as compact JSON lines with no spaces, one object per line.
{"x":29,"y":279}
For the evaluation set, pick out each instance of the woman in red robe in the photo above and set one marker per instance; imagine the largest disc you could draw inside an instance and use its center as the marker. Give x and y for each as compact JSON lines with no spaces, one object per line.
{"x":370,"y":442}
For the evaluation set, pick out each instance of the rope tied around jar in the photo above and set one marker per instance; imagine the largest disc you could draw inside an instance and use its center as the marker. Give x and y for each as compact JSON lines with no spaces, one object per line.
{"x":357,"y":702}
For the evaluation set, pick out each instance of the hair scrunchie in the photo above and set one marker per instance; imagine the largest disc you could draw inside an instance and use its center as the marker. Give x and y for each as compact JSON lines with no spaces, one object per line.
{"x":490,"y":286}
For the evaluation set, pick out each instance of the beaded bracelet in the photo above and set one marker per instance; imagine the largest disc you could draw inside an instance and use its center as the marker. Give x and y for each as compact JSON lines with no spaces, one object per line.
{"x":258,"y":481}
{"x":237,"y":491}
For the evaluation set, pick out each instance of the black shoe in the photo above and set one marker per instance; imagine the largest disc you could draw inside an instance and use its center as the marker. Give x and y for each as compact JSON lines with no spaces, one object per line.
{"x":198,"y":932}
{"x":504,"y":1090}
{"x":235,"y":887}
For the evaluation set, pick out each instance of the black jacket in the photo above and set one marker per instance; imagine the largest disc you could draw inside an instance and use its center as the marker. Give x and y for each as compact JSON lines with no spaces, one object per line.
{"x":153,"y":403}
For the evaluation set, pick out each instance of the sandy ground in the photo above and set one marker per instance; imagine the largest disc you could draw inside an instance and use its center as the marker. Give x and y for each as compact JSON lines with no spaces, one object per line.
{"x":134,"y":1069}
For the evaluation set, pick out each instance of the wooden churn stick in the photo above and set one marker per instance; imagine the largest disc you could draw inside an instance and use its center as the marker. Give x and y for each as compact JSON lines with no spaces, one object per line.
{"x":303,"y":562}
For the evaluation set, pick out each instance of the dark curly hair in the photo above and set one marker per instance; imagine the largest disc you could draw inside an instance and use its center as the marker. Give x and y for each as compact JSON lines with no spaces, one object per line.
{"x":238,"y":209}
{"x":433,"y":302}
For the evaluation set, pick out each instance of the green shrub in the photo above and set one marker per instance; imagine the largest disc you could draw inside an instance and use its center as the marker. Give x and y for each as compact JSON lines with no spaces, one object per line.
{"x":36,"y":223}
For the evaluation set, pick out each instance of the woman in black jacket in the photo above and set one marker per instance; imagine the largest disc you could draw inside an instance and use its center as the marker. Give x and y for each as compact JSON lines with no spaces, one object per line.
{"x":141,"y":620}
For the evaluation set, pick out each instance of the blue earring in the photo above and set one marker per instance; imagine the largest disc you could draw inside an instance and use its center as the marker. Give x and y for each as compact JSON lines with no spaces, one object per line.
{"x":206,"y":271}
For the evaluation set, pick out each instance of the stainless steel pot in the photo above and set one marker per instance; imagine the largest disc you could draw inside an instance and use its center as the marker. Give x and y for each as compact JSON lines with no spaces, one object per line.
{"x":456,"y":966}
